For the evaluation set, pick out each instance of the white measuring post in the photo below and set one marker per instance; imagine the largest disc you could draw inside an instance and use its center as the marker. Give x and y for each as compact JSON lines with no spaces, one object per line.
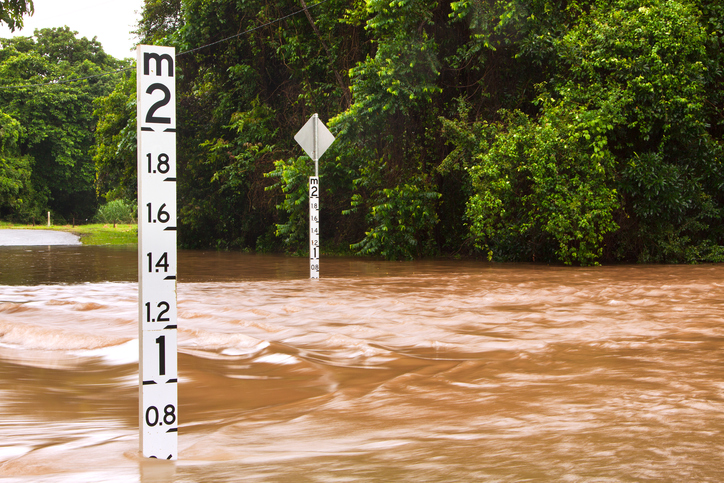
{"x":157,"y":256}
{"x":314,"y":227}
{"x":314,"y":138}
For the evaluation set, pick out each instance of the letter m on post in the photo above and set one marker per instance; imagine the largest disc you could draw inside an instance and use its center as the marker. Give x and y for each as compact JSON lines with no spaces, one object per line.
{"x":159,"y":60}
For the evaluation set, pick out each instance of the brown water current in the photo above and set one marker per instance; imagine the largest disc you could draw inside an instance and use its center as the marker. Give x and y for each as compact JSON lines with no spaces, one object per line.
{"x":380,"y":371}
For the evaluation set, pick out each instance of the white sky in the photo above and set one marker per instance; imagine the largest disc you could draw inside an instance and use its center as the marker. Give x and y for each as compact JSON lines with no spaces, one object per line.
{"x":110,"y":21}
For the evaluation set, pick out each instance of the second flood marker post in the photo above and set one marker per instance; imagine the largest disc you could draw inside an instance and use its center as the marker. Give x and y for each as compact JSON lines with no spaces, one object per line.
{"x":314,"y":138}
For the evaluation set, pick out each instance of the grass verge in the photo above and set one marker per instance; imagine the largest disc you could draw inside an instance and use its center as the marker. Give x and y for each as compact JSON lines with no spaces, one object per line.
{"x":97,"y":234}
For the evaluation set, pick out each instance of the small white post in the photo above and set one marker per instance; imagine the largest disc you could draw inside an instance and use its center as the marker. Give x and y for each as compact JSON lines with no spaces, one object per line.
{"x":314,"y":247}
{"x":48,"y":218}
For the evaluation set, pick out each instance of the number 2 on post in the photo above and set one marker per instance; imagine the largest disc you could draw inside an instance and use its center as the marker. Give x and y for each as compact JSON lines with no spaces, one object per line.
{"x":150,"y":116}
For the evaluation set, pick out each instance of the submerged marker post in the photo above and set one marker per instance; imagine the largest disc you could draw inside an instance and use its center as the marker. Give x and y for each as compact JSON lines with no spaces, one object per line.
{"x":157,"y":256}
{"x":314,"y":227}
{"x":314,"y":138}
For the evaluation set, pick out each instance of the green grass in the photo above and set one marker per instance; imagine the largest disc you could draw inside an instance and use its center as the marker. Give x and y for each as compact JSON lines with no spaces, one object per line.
{"x":97,"y":234}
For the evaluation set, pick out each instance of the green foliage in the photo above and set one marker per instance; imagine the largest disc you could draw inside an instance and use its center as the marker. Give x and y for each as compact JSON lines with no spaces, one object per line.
{"x":19,"y":200}
{"x":117,"y":211}
{"x":12,"y":11}
{"x":545,"y":186}
{"x":619,"y":149}
{"x":401,"y":221}
{"x":56,"y":120}
{"x":159,"y":20}
{"x":652,"y":53}
{"x":14,"y":169}
{"x":114,"y":149}
{"x":385,"y":137}
{"x":293,"y":176}
{"x":576,"y":132}
{"x":235,"y":167}
{"x":652,"y":56}
{"x":403,"y":71}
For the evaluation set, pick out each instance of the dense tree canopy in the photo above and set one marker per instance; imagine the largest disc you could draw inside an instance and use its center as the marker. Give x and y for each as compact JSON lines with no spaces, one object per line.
{"x":14,"y":169}
{"x":536,"y":130}
{"x":51,"y":121}
{"x":623,"y":158}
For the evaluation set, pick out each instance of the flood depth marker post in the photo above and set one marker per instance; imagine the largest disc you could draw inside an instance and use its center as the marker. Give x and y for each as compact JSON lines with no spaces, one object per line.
{"x":314,"y":138}
{"x":157,"y":267}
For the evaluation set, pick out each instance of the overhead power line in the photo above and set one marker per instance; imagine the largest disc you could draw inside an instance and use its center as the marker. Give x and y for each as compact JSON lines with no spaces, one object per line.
{"x":271,"y":22}
{"x":61,"y":81}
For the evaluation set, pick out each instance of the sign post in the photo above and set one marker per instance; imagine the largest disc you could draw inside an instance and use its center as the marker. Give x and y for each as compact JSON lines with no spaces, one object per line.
{"x":314,"y":138}
{"x":157,"y":257}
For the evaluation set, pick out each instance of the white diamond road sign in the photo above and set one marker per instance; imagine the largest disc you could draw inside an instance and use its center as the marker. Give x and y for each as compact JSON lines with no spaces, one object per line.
{"x":314,"y":138}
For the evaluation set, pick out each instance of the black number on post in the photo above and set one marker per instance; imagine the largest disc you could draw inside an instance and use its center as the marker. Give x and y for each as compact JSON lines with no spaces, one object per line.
{"x":153,"y":416}
{"x":169,"y":414}
{"x":150,"y":117}
{"x":163,"y":163}
{"x":149,"y":411}
{"x":163,"y":216}
{"x":162,"y":166}
{"x":160,"y":318}
{"x":161,"y":314}
{"x":161,"y":341}
{"x":161,"y":263}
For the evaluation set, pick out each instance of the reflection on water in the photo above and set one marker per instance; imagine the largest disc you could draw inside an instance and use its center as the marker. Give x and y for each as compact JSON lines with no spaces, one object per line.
{"x":33,"y":265}
{"x":425,"y":371}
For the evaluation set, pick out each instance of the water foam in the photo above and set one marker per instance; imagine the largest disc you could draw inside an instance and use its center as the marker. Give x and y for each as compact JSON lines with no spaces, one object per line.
{"x":40,"y":338}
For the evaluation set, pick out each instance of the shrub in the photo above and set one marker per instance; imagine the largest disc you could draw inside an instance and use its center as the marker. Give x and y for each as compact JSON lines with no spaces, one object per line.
{"x":117,"y":211}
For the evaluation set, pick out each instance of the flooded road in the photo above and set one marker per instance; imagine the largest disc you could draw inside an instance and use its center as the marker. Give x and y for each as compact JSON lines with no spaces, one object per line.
{"x":21,"y":237}
{"x":380,"y":371}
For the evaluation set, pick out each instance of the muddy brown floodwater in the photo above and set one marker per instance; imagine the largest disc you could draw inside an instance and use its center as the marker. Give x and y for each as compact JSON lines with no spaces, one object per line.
{"x":425,"y":371}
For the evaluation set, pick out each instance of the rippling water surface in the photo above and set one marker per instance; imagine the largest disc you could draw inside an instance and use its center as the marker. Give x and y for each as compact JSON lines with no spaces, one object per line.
{"x":425,"y":371}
